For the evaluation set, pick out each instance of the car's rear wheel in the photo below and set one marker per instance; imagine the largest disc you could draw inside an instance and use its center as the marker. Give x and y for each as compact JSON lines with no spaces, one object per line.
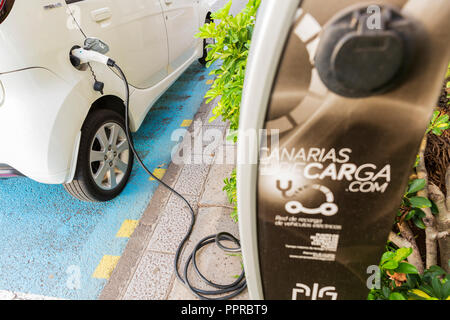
{"x":104,"y":158}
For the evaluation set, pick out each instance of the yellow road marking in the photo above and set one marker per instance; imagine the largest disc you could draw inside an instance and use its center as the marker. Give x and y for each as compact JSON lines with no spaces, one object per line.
{"x":186,"y":123}
{"x":159,"y":173}
{"x":127,"y":228}
{"x":106,"y":267}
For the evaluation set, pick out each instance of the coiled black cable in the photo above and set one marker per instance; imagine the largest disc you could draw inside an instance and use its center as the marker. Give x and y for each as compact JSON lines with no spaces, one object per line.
{"x":230,"y":290}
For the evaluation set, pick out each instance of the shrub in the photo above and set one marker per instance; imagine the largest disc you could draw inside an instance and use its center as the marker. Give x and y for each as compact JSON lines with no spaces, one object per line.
{"x":402,"y":281}
{"x":423,"y":211}
{"x":232,"y":37}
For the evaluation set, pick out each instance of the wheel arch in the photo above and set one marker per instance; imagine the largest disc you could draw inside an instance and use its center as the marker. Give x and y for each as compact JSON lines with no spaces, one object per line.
{"x":205,"y":11}
{"x":107,"y":102}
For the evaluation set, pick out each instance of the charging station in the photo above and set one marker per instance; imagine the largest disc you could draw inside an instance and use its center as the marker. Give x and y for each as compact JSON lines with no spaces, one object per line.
{"x":337,"y":98}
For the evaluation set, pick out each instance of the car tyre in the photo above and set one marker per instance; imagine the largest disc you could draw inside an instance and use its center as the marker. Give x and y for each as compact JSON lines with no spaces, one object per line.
{"x":105,"y":159}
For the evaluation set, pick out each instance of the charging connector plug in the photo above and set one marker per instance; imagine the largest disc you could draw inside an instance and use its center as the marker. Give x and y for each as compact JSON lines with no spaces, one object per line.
{"x":83,"y":56}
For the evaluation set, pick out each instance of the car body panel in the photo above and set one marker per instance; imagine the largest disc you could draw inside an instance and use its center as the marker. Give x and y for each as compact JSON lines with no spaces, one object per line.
{"x":45,"y":100}
{"x":38,"y":138}
{"x":182,"y":25}
{"x":135,"y":32}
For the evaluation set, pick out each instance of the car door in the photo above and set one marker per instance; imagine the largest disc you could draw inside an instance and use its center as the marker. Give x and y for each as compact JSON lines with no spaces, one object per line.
{"x":182,"y":25}
{"x":135,"y":31}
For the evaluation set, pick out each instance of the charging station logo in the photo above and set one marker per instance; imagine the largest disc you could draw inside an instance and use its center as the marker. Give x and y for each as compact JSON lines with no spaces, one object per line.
{"x":328,"y":208}
{"x":302,"y":290}
{"x":322,"y":165}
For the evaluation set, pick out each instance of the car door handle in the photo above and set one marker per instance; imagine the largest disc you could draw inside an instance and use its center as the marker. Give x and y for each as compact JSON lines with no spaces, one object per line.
{"x":168,"y":1}
{"x":101,"y":14}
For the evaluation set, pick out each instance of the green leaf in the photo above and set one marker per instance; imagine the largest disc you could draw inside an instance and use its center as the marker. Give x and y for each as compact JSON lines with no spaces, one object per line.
{"x":434,"y":208}
{"x":390,"y":265}
{"x":417,"y":185}
{"x":412,"y":281}
{"x":387,"y":256}
{"x":419,"y":213}
{"x":435,"y":271}
{"x":437,"y":131}
{"x":437,"y":287}
{"x":402,"y":253}
{"x":415,"y":214}
{"x":427,"y":289}
{"x":410,"y":215}
{"x":419,"y":202}
{"x":419,"y":295}
{"x":407,"y":268}
{"x":419,"y":223}
{"x":233,"y":135}
{"x":417,"y":161}
{"x":435,"y":116}
{"x":446,"y":290}
{"x":439,"y":123}
{"x":396,"y":296}
{"x":443,"y":119}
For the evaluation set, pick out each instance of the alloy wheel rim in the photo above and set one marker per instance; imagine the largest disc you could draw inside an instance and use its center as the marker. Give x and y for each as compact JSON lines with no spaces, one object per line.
{"x":109,"y":156}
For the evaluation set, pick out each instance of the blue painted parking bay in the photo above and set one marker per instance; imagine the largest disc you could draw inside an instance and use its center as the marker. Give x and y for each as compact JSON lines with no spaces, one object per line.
{"x":55,"y":246}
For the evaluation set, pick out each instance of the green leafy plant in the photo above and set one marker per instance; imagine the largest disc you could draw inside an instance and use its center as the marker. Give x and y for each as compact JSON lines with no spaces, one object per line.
{"x":393,"y":272}
{"x":393,"y":261}
{"x":439,"y":123}
{"x":423,"y":206}
{"x":232,"y":37}
{"x":238,"y":255}
{"x":434,"y":284}
{"x":401,"y":280}
{"x":231,"y":190}
{"x":414,"y":204}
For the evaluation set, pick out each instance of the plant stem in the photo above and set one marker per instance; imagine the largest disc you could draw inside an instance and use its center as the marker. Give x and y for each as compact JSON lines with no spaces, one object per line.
{"x":442,"y":220}
{"x":429,"y":220}
{"x":408,"y":240}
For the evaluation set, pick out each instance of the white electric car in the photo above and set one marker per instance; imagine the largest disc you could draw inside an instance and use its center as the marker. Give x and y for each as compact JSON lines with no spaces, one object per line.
{"x":54,"y":127}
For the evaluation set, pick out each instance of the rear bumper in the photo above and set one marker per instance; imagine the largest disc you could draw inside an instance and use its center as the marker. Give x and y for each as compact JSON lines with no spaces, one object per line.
{"x":37,"y":135}
{"x":8,"y":172}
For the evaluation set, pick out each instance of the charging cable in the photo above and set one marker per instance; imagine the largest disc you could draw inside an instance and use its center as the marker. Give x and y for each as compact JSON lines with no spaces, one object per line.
{"x":225,"y":292}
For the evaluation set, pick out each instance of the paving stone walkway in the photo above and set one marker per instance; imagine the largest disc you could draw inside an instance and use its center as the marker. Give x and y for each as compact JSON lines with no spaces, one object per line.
{"x":146,"y":269}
